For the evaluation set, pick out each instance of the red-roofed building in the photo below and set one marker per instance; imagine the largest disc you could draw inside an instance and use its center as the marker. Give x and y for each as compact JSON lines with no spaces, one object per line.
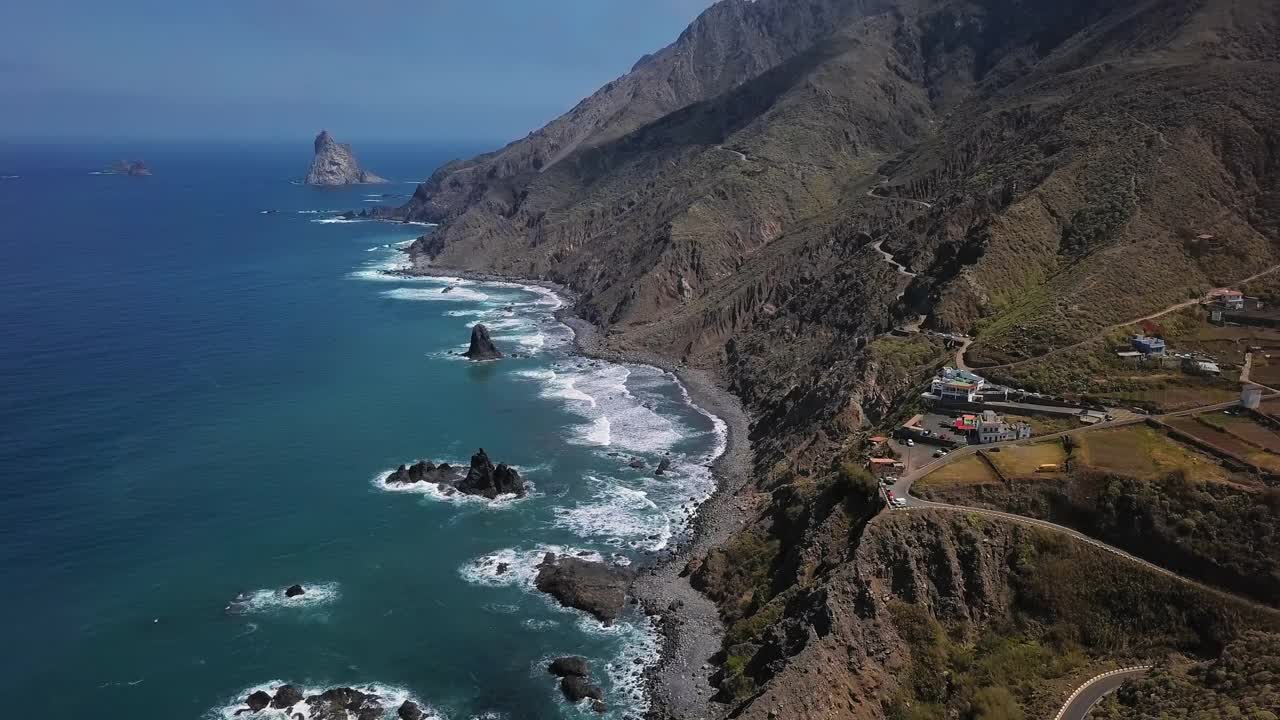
{"x":1227,"y":298}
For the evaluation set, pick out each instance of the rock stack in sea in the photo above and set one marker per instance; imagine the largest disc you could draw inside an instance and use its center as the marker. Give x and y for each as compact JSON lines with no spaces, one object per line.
{"x":575,"y":681}
{"x":335,"y":164}
{"x":482,"y":347}
{"x":483,"y":478}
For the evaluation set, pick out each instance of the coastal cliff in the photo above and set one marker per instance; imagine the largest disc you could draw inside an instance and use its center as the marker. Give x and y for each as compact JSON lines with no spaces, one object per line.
{"x":786,"y":216}
{"x":335,"y":164}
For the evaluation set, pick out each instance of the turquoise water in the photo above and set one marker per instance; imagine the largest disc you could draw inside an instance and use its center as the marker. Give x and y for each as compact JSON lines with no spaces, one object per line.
{"x":199,"y":399}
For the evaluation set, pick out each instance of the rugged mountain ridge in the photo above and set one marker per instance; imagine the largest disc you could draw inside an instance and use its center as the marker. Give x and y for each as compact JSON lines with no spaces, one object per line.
{"x":1012,"y":153}
{"x":1033,"y":170}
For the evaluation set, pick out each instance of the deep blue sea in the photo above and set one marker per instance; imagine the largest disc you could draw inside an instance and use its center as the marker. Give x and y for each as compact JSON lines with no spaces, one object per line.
{"x":199,"y":398}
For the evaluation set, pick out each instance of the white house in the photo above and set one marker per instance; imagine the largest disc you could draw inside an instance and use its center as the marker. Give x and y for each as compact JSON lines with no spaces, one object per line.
{"x":991,"y":427}
{"x":952,"y":385}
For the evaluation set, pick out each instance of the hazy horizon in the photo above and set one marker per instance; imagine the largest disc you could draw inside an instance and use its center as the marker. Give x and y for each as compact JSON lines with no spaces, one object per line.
{"x":388,"y":71}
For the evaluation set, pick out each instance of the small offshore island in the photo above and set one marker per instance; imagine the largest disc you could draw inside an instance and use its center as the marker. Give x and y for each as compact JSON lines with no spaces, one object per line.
{"x":335,"y":165}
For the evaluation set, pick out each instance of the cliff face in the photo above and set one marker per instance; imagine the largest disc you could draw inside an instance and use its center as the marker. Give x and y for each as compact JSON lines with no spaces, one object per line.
{"x":1026,"y":159}
{"x":335,"y":164}
{"x":932,"y":610}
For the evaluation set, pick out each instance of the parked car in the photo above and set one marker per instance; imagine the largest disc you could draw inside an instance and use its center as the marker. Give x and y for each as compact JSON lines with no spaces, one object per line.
{"x":911,"y":443}
{"x":900,"y":502}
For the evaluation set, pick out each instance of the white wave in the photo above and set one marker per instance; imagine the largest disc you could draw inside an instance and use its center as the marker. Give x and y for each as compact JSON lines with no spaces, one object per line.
{"x":9,"y":177}
{"x":469,"y":313}
{"x":315,"y":594}
{"x":619,"y":515}
{"x":377,"y":200}
{"x":718,"y":426}
{"x":433,"y":491}
{"x":516,"y":568}
{"x":615,"y":418}
{"x":318,"y":212}
{"x":389,"y":697}
{"x":457,"y":294}
{"x":338,"y":220}
{"x":638,"y":652}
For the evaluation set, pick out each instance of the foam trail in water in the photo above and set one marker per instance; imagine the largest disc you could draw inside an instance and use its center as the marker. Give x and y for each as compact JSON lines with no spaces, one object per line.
{"x":315,"y":594}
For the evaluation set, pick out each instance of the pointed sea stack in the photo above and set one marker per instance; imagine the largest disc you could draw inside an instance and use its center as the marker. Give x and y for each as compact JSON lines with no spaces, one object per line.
{"x":335,"y":164}
{"x":482,"y":348}
{"x":486,"y":480}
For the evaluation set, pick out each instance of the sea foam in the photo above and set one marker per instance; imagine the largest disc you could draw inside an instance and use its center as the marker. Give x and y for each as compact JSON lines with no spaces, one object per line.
{"x":316,"y":594}
{"x":389,"y":696}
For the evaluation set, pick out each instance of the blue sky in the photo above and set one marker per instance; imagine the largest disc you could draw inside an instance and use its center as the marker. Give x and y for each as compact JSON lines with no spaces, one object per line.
{"x":432,"y":70}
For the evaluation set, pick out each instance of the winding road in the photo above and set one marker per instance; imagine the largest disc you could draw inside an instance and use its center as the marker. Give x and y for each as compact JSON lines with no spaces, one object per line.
{"x":1091,"y":693}
{"x":1088,"y":695}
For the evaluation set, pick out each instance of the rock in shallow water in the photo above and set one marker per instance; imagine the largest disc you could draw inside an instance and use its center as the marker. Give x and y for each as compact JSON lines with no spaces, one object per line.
{"x":294,"y":591}
{"x":482,"y":347}
{"x":577,"y":688}
{"x":569,"y":665}
{"x":587,"y":585}
{"x":258,"y":700}
{"x":286,"y":696}
{"x":409,"y":710}
{"x":488,"y":481}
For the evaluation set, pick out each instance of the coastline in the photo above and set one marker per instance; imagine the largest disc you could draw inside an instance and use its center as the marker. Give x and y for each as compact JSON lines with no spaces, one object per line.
{"x":679,"y":682}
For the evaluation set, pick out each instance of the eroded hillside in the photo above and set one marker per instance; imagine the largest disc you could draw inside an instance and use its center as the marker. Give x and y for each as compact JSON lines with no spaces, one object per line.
{"x":785,"y":184}
{"x":1042,"y":168}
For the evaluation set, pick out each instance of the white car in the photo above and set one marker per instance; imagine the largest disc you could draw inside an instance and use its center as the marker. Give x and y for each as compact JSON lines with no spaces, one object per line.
{"x":899,"y":502}
{"x":911,"y":443}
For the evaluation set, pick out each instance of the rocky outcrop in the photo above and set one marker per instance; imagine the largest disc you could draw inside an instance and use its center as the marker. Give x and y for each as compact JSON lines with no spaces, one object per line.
{"x":593,"y":587}
{"x":339,"y":703}
{"x":423,"y":471}
{"x":569,"y":665}
{"x":294,"y":591}
{"x":286,"y":697}
{"x":482,"y":347}
{"x":575,"y":681}
{"x":335,"y":164}
{"x":663,"y":466}
{"x":258,"y":700}
{"x":409,"y":710}
{"x":484,"y":479}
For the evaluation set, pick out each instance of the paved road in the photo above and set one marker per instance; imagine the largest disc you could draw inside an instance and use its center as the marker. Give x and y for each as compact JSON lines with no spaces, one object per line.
{"x":1092,"y":692}
{"x":902,"y":489}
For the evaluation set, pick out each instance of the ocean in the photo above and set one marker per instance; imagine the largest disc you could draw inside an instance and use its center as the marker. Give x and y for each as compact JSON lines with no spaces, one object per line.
{"x":205,"y":376}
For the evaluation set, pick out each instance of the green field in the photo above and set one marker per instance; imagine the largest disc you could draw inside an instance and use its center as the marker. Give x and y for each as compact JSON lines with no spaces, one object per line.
{"x":1143,"y":452}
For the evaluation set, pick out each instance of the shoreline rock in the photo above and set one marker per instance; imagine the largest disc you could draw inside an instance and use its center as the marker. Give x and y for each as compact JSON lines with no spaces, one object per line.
{"x":294,"y":591}
{"x":482,"y":347}
{"x":334,"y":164}
{"x":586,"y":585}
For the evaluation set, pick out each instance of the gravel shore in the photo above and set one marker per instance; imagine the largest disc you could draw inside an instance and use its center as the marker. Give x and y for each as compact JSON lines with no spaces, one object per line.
{"x":680,"y":682}
{"x":692,"y":632}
